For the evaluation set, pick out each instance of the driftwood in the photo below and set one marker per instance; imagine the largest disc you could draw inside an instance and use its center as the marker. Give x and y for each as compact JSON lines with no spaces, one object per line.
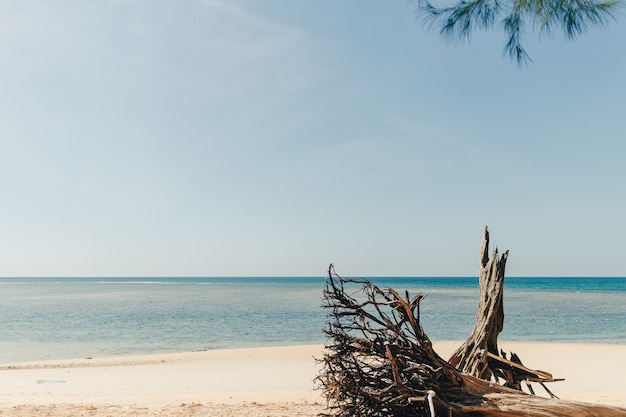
{"x":381,"y":363}
{"x":470,"y":357}
{"x":479,"y":354}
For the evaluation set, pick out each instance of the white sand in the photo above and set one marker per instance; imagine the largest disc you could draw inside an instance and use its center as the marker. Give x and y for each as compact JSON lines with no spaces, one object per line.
{"x":267,"y":382}
{"x":593,"y":372}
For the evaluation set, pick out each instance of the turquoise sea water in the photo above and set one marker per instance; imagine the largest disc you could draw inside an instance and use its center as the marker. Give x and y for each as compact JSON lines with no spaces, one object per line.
{"x":56,"y":318}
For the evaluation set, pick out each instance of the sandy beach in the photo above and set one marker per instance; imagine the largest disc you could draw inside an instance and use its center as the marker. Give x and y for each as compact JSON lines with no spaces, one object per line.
{"x":259,"y":382}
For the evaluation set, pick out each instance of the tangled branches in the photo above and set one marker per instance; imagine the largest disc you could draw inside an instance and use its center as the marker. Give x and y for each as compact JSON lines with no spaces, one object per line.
{"x":381,"y":362}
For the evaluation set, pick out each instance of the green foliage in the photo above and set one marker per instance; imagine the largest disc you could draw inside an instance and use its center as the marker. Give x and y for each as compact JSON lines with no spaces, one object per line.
{"x":461,"y":18}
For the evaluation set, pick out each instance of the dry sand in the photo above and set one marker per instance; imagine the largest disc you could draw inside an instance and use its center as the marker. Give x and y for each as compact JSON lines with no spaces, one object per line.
{"x":260,"y":382}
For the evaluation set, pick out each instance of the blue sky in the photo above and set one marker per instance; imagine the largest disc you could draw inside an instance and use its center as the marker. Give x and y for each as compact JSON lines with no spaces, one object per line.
{"x":270,"y":138}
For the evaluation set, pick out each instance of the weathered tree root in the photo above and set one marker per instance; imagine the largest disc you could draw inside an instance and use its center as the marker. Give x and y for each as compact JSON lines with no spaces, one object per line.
{"x":380,"y":363}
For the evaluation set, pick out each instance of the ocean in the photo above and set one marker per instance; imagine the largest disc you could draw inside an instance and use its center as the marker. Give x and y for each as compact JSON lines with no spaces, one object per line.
{"x":59,"y":318}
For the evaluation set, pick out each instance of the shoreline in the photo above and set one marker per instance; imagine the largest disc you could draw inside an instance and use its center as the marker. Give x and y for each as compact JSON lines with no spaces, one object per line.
{"x":446,"y":347}
{"x":265,"y":381}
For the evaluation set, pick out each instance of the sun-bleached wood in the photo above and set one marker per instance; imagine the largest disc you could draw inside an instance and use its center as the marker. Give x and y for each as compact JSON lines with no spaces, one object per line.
{"x":471,"y":357}
{"x":379,"y":361}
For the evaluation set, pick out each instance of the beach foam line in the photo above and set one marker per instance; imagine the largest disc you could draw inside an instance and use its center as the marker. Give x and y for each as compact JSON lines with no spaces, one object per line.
{"x":260,"y":353}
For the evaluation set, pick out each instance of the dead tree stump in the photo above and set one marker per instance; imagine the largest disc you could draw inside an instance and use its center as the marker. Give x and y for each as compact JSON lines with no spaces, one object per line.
{"x":380,"y":363}
{"x":479,"y":355}
{"x":471,"y":357}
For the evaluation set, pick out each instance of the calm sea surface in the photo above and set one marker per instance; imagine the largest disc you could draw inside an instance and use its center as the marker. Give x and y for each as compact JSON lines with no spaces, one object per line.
{"x":55,"y":318}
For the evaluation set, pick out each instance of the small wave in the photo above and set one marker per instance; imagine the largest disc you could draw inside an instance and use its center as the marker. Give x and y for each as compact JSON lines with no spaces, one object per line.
{"x":138,"y":282}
